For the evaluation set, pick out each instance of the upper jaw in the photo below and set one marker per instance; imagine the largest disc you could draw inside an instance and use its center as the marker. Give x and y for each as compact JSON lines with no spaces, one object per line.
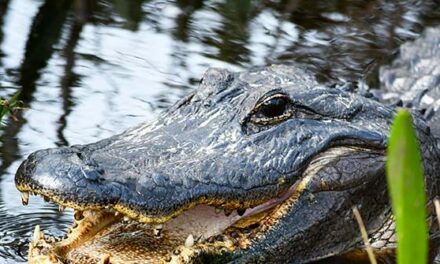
{"x":63,"y":176}
{"x":60,"y":176}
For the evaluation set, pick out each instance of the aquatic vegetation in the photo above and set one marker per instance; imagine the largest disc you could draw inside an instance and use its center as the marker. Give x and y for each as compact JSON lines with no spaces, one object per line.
{"x":10,"y":106}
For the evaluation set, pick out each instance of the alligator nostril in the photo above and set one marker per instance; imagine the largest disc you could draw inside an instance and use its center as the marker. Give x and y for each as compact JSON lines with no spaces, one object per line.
{"x":92,"y":175}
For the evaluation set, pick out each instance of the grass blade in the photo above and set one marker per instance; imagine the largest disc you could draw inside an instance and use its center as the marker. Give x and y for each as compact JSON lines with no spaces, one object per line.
{"x":407,"y":191}
{"x":364,"y":234}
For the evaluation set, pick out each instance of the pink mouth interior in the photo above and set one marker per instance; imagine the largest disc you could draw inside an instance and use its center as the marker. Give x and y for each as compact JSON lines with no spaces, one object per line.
{"x":203,"y":221}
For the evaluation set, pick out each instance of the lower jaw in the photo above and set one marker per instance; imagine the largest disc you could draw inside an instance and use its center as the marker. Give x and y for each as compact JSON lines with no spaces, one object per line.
{"x":102,"y":237}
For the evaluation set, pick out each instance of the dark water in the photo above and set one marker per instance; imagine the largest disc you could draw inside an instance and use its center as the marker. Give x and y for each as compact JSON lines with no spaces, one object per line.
{"x":88,"y":69}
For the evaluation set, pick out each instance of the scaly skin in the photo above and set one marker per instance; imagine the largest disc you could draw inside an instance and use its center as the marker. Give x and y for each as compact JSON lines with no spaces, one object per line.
{"x":230,"y":145}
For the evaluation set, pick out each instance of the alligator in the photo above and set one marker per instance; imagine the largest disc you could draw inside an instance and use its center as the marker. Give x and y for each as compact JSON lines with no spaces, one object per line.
{"x":261,"y":166}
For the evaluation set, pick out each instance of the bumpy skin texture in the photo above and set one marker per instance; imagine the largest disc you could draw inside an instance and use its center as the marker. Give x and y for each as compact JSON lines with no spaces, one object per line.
{"x":414,"y":76}
{"x":206,"y":149}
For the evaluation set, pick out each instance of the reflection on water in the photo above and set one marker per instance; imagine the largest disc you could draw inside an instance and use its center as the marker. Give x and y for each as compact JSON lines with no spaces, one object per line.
{"x":88,"y":69}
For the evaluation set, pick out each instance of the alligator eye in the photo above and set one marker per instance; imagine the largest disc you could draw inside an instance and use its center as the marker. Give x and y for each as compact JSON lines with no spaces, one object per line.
{"x":272,"y":110}
{"x":274,"y":107}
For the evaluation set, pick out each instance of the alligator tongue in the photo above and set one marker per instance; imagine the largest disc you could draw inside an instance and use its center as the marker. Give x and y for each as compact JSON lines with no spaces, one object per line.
{"x":201,"y":222}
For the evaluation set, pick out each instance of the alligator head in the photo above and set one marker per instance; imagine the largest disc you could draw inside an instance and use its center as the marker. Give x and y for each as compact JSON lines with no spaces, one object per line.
{"x":257,"y":166}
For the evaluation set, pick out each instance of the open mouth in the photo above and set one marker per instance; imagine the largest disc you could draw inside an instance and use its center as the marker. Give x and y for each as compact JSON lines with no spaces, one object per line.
{"x":109,"y":236}
{"x":97,"y":236}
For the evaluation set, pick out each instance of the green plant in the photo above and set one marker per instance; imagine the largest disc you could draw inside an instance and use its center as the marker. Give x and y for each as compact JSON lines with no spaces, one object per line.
{"x":407,"y":191}
{"x":9,"y":106}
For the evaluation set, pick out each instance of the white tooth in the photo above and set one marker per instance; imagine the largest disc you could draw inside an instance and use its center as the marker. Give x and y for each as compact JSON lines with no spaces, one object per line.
{"x":50,"y":239}
{"x":37,"y":233}
{"x":116,"y":213}
{"x":229,"y":244}
{"x":228,"y":212}
{"x":126,"y":218}
{"x":189,"y":242}
{"x":157,"y":229}
{"x":61,"y":208}
{"x":78,"y":215}
{"x":105,"y":259}
{"x":218,"y":210}
{"x":25,"y":198}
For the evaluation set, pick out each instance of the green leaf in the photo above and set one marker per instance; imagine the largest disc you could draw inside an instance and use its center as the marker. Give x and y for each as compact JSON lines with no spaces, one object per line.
{"x":407,"y":191}
{"x":8,"y":106}
{"x":14,"y":100}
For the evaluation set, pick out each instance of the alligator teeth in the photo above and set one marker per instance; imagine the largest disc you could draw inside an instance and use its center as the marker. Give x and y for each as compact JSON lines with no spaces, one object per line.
{"x":229,"y":244}
{"x":61,"y":208}
{"x":189,"y":242}
{"x":105,"y":259}
{"x":126,"y":218}
{"x":117,"y":213}
{"x":37,"y":233}
{"x":218,"y":210}
{"x":157,"y":230}
{"x":78,"y":215}
{"x":211,"y":239}
{"x":25,"y":198}
{"x":50,"y":239}
{"x":228,"y":212}
{"x":241,"y":211}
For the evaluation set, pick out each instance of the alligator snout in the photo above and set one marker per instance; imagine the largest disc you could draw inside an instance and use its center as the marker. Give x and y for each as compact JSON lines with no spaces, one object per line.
{"x":65,"y":174}
{"x":66,"y":159}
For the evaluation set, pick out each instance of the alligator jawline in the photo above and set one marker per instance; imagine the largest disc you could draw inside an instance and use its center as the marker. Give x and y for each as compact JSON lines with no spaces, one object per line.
{"x":201,"y":228}
{"x":98,"y":235}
